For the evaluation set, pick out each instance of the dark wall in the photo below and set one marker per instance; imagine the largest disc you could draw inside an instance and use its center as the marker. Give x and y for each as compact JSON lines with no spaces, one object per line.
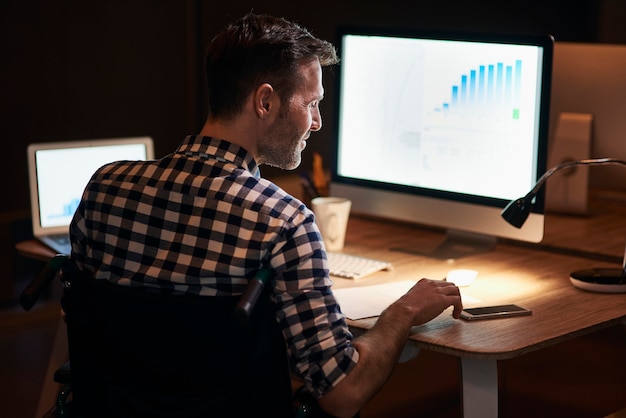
{"x":92,"y":69}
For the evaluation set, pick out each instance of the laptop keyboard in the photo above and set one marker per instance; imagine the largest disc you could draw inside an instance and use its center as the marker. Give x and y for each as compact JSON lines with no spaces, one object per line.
{"x":349,"y":266}
{"x":58,"y":242}
{"x":62,"y":239}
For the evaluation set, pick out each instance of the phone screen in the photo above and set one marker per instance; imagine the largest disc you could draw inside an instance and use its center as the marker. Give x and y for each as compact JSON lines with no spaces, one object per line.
{"x":498,"y":311}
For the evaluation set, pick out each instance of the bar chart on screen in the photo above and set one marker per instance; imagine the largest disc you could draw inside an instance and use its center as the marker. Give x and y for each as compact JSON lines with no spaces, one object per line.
{"x":487,"y":90}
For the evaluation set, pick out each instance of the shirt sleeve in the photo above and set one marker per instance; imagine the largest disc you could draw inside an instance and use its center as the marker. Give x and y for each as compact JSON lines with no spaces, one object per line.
{"x":317,"y":335}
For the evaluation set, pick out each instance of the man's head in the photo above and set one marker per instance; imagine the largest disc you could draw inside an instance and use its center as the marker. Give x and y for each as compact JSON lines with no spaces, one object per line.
{"x":259,"y":49}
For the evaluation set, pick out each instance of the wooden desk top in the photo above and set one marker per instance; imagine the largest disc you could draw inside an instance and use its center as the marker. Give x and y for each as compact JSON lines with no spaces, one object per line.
{"x":527,"y":275}
{"x":35,"y":249}
{"x":533,"y":278}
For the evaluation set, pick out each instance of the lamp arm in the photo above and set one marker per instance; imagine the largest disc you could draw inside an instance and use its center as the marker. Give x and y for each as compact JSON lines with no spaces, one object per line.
{"x":516,"y":211}
{"x":570,"y":164}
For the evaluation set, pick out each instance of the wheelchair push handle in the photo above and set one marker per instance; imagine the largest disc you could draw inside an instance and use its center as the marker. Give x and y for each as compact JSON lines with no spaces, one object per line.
{"x":248,"y":300}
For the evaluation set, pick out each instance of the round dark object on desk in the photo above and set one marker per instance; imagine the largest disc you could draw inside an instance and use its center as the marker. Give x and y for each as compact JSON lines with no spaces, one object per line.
{"x":602,"y":280}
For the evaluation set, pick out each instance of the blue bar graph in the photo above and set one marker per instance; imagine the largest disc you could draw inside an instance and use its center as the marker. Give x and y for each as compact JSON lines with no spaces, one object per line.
{"x":492,"y":87}
{"x":67,"y":210}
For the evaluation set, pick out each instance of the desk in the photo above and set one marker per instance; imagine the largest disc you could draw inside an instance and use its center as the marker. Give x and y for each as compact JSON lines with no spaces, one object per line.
{"x":34,"y":249}
{"x":531,"y":277}
{"x":527,"y":275}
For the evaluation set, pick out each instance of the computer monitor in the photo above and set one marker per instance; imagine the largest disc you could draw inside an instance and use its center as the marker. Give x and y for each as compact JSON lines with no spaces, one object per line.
{"x":59,"y":171}
{"x":590,"y":79}
{"x":443,"y":129}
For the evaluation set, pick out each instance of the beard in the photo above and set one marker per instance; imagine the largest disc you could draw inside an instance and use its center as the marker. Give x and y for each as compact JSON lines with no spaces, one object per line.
{"x":282,"y":146}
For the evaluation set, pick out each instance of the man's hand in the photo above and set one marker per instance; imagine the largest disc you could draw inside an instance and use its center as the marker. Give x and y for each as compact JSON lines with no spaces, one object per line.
{"x":429,"y":298}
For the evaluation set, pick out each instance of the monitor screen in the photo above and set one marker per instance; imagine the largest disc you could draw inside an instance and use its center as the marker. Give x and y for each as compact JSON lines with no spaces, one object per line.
{"x":59,"y":172}
{"x":443,"y":129}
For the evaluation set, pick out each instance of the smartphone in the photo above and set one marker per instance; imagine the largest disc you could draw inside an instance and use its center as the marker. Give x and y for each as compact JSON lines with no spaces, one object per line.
{"x":487,"y":312}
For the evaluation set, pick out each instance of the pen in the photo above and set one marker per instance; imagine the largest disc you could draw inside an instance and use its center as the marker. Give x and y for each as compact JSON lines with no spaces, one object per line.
{"x":308,"y":186}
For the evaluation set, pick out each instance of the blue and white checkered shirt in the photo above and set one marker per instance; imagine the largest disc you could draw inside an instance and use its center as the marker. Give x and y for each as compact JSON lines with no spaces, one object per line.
{"x":202,"y":221}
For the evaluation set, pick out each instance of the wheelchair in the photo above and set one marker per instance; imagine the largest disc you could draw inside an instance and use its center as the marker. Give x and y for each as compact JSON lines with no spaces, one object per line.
{"x":140,"y":353}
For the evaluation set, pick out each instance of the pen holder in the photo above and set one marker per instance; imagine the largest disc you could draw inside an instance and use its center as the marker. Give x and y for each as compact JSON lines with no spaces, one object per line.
{"x":310,"y":191}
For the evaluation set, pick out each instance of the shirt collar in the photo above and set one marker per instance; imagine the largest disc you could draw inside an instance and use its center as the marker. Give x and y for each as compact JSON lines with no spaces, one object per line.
{"x":219,"y":149}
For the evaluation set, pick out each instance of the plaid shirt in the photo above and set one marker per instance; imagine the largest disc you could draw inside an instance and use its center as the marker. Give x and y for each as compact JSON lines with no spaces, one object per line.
{"x":202,"y":221}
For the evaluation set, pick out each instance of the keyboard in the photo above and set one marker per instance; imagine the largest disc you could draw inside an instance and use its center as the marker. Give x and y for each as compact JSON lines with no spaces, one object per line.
{"x":58,"y":242}
{"x":349,"y":266}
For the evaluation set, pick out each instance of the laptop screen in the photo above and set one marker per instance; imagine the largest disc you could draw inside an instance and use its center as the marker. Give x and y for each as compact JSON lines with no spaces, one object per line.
{"x":59,"y":172}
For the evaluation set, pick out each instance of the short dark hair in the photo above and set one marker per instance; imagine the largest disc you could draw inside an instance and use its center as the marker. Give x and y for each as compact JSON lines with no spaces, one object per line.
{"x":259,"y":49}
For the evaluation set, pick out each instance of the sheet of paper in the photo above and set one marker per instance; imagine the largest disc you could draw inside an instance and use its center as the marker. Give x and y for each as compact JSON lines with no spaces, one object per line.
{"x":370,"y":301}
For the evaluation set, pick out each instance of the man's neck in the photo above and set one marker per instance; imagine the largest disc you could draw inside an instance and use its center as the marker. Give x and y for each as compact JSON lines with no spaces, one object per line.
{"x":235,"y":131}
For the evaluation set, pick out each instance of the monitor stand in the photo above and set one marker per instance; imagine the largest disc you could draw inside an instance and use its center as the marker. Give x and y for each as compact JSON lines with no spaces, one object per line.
{"x":456,"y":244}
{"x":568,"y":192}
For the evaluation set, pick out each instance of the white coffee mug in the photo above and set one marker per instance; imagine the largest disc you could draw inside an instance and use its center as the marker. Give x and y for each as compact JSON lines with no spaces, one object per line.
{"x":331,"y":216}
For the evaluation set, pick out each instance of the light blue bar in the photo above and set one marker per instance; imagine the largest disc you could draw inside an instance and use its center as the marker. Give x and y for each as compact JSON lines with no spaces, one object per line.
{"x":472,"y":87}
{"x":517,"y":92}
{"x":508,"y":85}
{"x":499,"y":81}
{"x":481,"y":84}
{"x":463,"y":96}
{"x":490,"y":82}
{"x":455,"y":96}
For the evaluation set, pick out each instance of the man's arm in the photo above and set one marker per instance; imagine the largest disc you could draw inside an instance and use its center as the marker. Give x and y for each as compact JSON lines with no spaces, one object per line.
{"x":380,"y":348}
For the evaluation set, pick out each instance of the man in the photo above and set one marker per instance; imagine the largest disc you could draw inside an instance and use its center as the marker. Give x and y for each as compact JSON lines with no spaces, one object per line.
{"x":202,"y":220}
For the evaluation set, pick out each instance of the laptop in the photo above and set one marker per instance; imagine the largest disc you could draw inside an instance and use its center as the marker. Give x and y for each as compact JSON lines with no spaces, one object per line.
{"x":58,"y":173}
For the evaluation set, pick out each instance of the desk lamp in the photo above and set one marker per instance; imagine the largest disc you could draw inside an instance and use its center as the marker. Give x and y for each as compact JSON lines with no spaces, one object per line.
{"x":605,"y":280}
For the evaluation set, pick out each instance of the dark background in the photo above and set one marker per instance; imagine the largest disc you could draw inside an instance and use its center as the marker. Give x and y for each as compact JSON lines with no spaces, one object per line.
{"x":84,"y":69}
{"x":80,"y":69}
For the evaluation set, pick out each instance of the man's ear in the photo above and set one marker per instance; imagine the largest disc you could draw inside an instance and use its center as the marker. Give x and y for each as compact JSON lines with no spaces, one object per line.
{"x":265,"y":100}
